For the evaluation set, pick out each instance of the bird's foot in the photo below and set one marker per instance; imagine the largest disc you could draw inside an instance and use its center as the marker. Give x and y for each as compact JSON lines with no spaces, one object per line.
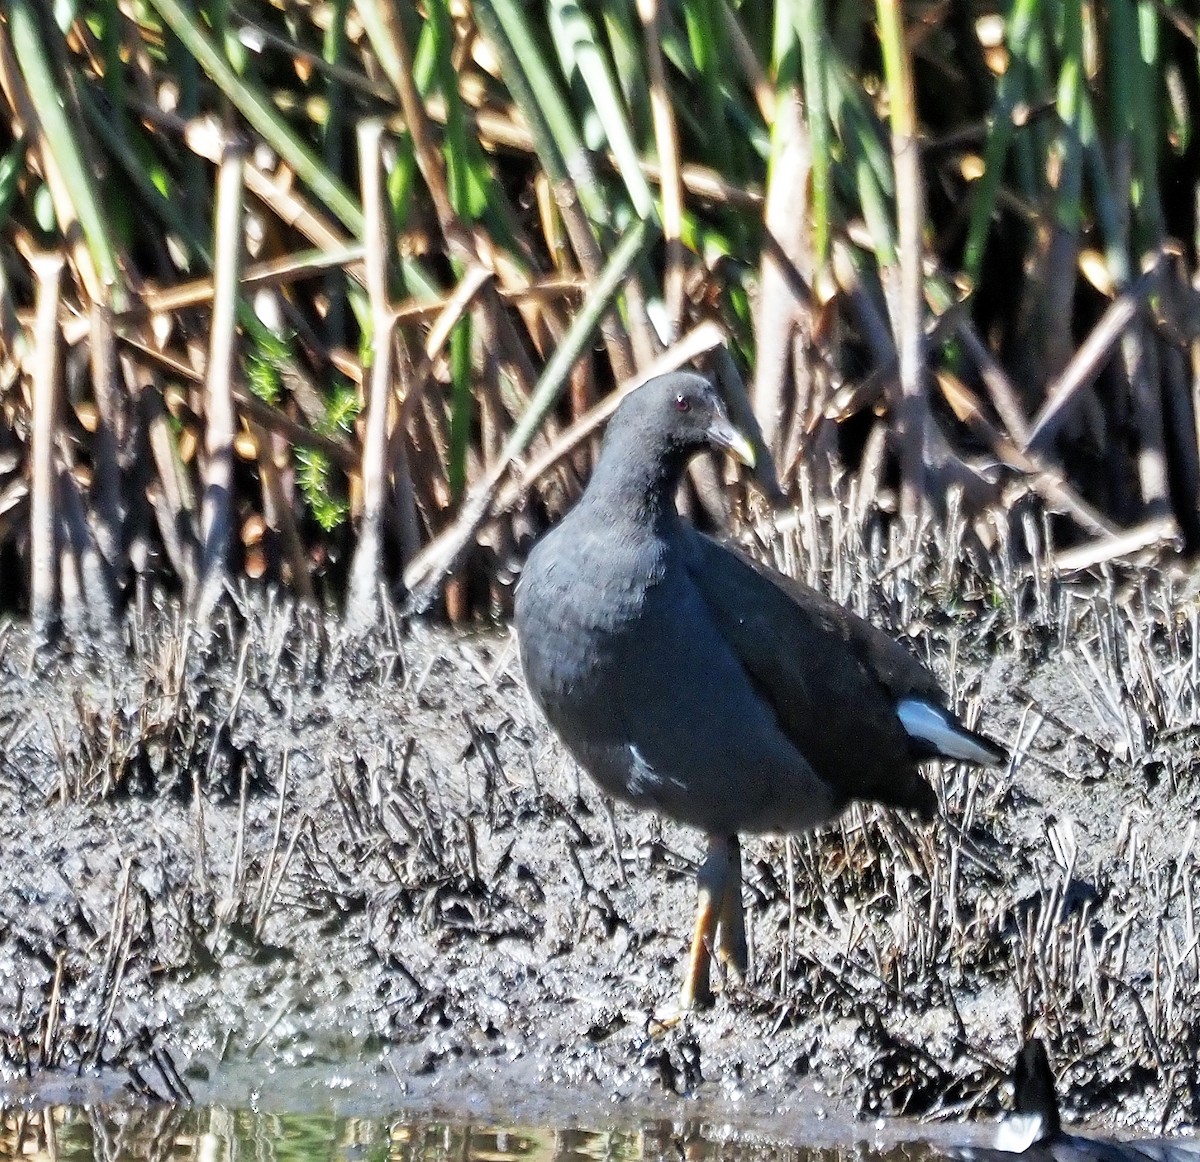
{"x":668,"y":1015}
{"x":693,"y":997}
{"x":696,"y":995}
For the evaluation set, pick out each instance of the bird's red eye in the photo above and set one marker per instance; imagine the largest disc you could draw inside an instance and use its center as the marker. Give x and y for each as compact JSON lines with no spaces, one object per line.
{"x":682,"y":403}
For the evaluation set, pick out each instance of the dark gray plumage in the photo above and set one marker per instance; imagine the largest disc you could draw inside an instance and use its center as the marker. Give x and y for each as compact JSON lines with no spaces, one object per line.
{"x":689,"y":679}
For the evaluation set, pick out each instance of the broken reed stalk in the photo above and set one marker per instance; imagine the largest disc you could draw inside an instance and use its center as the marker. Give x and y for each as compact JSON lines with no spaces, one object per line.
{"x":785,"y":266}
{"x":87,"y":593}
{"x":1089,"y":360}
{"x":453,"y":308}
{"x":1058,"y":495}
{"x":108,"y":440}
{"x":741,"y":409}
{"x":274,"y":272}
{"x":277,"y":511}
{"x":904,"y":289}
{"x":667,"y":142}
{"x":362,"y":592}
{"x":1000,"y":388}
{"x":43,"y":590}
{"x":219,"y":418}
{"x":1156,"y":534}
{"x":170,"y":493}
{"x":1145,"y":377}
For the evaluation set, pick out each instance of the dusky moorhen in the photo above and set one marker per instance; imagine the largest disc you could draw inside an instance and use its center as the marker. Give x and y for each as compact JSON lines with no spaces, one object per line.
{"x":689,"y":679}
{"x":1034,"y":1131}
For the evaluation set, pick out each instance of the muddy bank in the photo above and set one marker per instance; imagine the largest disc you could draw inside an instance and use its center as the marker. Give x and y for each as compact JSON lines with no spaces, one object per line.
{"x":281,"y":865}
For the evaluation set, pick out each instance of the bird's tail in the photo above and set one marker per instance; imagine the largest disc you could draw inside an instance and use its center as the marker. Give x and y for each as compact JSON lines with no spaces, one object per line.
{"x":936,"y":733}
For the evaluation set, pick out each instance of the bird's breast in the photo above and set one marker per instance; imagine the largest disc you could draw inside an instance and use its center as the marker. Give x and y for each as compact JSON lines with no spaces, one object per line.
{"x":580,"y":608}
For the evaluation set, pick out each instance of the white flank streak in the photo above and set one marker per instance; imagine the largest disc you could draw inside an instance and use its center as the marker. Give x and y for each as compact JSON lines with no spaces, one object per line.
{"x":938,"y":728}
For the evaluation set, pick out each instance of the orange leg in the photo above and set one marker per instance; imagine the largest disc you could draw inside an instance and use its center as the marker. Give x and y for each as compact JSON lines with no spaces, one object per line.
{"x":697,"y":989}
{"x":731,"y":923}
{"x":719,"y":920}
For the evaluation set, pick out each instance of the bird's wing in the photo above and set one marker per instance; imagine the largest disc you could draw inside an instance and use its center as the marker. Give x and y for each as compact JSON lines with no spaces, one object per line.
{"x":889,"y":662}
{"x":831,"y":678}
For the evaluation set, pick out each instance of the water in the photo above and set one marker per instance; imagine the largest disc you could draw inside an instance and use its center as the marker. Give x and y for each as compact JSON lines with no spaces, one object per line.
{"x":114,"y":1133}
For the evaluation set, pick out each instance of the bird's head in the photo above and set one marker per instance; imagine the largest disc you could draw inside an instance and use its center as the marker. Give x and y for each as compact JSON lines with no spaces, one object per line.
{"x":674,"y":416}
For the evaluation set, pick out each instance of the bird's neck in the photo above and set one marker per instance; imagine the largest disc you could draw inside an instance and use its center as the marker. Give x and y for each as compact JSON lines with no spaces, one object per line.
{"x":641,"y":491}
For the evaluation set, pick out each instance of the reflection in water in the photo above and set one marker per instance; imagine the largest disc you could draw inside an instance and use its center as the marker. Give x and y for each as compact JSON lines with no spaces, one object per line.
{"x":218,"y":1134}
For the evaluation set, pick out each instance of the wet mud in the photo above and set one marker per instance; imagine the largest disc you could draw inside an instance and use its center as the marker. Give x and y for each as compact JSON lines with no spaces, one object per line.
{"x":280,"y":868}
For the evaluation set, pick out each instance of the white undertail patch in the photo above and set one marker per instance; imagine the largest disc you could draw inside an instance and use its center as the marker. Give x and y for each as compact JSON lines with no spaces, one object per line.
{"x":943,"y":733}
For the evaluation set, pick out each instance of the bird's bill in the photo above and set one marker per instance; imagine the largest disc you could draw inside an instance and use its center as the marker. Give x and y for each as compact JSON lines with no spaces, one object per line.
{"x":722,"y":434}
